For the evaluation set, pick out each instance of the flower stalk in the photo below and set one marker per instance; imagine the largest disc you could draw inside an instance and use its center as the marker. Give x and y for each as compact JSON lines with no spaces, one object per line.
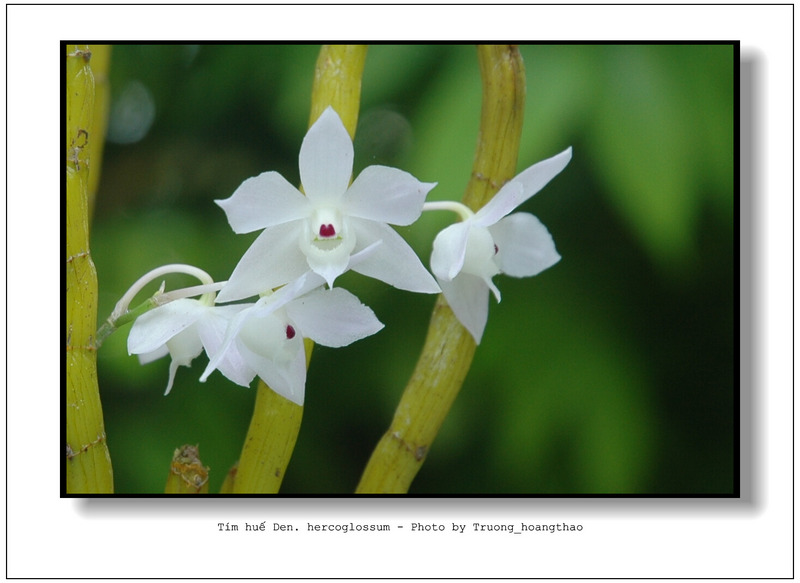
{"x":275,"y":424}
{"x":88,"y":463}
{"x":123,"y":313}
{"x":449,"y":347}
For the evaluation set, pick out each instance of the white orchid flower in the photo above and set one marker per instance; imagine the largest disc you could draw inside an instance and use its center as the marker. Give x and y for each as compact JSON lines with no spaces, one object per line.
{"x":334,"y":220}
{"x":268,"y":335}
{"x":467,"y":255}
{"x":182,"y":329}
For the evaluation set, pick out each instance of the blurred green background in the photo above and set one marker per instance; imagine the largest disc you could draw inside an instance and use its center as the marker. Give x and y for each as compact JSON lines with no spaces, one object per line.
{"x":612,"y":372}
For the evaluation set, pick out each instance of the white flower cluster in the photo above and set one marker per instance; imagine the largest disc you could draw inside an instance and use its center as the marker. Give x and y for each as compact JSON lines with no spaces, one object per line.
{"x":308,"y":240}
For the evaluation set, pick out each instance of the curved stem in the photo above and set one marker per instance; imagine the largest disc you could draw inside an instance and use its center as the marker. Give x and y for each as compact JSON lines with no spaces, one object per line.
{"x":123,"y":314}
{"x":208,"y":291}
{"x":462,"y":210}
{"x":127,"y":298}
{"x":447,"y":354}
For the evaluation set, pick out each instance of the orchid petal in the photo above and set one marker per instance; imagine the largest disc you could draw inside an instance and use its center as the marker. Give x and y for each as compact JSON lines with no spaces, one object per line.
{"x":393,"y":261}
{"x":468,"y":297}
{"x":531,"y":180}
{"x":287,"y":378}
{"x":212,"y":331}
{"x":241,"y":374}
{"x":522,"y":187}
{"x":185,"y":346}
{"x":262,"y":308}
{"x":227,"y":343}
{"x":263,"y":201}
{"x":535,"y":178}
{"x":363,"y":254}
{"x":479,"y":258}
{"x":450,"y":250}
{"x":300,"y":286}
{"x":524,"y":245}
{"x":153,"y":329}
{"x":509,"y":197}
{"x":333,"y":317}
{"x":267,"y":348}
{"x":173,"y":369}
{"x":493,"y":288}
{"x":314,"y":279}
{"x":387,"y":195}
{"x":148,"y":357}
{"x":183,"y":349}
{"x":326,"y":159}
{"x":273,"y":259}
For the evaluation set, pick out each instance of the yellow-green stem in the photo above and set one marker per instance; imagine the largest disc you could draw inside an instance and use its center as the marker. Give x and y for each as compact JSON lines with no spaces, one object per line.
{"x":337,"y":83}
{"x":449,"y":348}
{"x":276,"y":421}
{"x":269,"y":443}
{"x":88,"y":463}
{"x":230,"y":479}
{"x":187,"y":474}
{"x":101,"y":61}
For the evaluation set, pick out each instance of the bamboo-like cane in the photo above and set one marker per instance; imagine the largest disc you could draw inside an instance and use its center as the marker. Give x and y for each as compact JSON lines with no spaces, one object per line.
{"x":449,"y":348}
{"x":88,"y":463}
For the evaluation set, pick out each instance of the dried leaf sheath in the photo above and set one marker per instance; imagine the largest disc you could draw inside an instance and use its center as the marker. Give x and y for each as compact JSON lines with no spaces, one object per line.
{"x":187,"y":474}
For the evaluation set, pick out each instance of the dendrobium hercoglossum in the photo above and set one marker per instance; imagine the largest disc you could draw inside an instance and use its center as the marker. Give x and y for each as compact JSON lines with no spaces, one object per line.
{"x":174,"y":324}
{"x":267,"y":336}
{"x":309,"y":240}
{"x":467,"y":255}
{"x":334,"y":220}
{"x":183,"y":329}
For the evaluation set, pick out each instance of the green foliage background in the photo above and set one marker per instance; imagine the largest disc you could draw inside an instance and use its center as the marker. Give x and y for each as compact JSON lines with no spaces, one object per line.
{"x":612,"y":372}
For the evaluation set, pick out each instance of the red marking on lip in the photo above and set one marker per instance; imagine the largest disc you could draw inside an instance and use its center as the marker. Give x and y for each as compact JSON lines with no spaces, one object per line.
{"x":327,"y":231}
{"x":290,"y":332}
